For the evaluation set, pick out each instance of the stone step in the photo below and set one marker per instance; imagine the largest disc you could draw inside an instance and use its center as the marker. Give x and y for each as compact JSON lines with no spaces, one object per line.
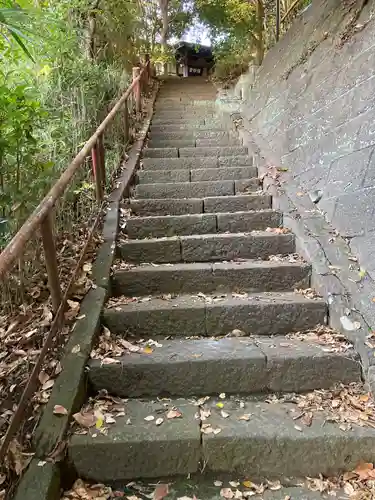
{"x":220,"y":277}
{"x":193,"y":134}
{"x":184,"y":115}
{"x":235,"y":365}
{"x":163,"y":125}
{"x":207,"y":247}
{"x":160,"y":153}
{"x":180,"y":225}
{"x":239,"y":203}
{"x":210,"y":142}
{"x":184,"y":102}
{"x":185,"y":109}
{"x":151,"y":176}
{"x":197,"y":163}
{"x":186,"y":143}
{"x":199,"y":174}
{"x":193,"y":152}
{"x":195,"y":189}
{"x":223,"y":173}
{"x":270,"y":313}
{"x":213,"y":151}
{"x":270,"y":444}
{"x":171,"y":143}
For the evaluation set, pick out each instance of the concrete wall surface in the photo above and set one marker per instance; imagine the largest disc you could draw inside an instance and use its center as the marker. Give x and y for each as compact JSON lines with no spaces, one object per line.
{"x":311,"y":109}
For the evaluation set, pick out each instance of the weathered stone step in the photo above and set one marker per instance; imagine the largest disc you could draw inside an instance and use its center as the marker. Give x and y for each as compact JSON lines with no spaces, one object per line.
{"x":180,"y":225}
{"x":207,"y":247}
{"x":213,"y":151}
{"x":271,"y":313}
{"x":188,"y":125}
{"x":239,"y":203}
{"x":223,"y":173}
{"x":184,"y":115}
{"x":193,"y":134}
{"x":269,"y":445}
{"x":210,"y":142}
{"x":195,"y":189}
{"x":195,"y":151}
{"x":171,"y":143}
{"x":197,"y":163}
{"x":186,"y":143}
{"x":234,"y":365}
{"x":220,"y":277}
{"x":195,"y":175}
{"x":140,"y":449}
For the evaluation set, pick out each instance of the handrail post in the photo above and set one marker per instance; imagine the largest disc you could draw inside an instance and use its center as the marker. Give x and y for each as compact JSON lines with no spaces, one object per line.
{"x":126,"y":123}
{"x":137,"y":89}
{"x":147,"y":68}
{"x":46,"y":229}
{"x":102,"y":162}
{"x":97,"y":171}
{"x":277,"y":20}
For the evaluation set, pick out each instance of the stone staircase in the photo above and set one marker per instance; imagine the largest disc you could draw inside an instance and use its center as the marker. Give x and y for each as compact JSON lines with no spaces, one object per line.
{"x":211,"y":276}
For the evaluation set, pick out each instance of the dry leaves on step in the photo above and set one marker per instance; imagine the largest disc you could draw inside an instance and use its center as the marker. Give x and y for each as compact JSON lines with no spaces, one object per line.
{"x":161,"y":491}
{"x":209,"y":429}
{"x":346,"y":405}
{"x":174,"y":413}
{"x":84,"y":491}
{"x":278,"y":230}
{"x":59,"y":410}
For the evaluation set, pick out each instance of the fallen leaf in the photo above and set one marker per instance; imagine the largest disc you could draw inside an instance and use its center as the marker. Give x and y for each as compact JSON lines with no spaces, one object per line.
{"x":148,"y":350}
{"x":218,"y":483}
{"x":205,"y":413}
{"x":43,"y":377}
{"x":245,"y":417}
{"x":59,"y":410}
{"x":247,"y":484}
{"x":220,"y":405}
{"x":307,"y":419}
{"x":226,"y":493}
{"x":76,"y":349}
{"x":365,"y":471}
{"x":348,"y":489}
{"x":234,"y":484}
{"x":48,"y":385}
{"x":109,"y":361}
{"x":161,"y":491}
{"x":86,"y":419}
{"x":174,"y":414}
{"x":274,"y":485}
{"x":99,"y":419}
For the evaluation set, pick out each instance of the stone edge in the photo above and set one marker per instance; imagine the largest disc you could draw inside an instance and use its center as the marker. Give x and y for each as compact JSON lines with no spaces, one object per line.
{"x":46,"y":478}
{"x":334,"y":274}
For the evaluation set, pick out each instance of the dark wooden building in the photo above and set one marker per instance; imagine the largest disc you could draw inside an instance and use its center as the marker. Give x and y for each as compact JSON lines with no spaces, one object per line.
{"x":197,"y":59}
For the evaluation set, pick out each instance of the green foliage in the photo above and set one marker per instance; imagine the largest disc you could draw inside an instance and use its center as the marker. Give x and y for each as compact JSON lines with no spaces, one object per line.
{"x":49,"y":108}
{"x":230,"y":17}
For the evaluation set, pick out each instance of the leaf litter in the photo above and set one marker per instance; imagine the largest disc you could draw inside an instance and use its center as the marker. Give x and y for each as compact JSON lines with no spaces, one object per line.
{"x":111,"y":346}
{"x":23,"y":331}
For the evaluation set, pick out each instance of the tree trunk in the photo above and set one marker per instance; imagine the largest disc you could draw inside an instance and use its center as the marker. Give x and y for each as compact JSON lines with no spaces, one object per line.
{"x":91,"y":31}
{"x":259,"y":32}
{"x":163,"y":5}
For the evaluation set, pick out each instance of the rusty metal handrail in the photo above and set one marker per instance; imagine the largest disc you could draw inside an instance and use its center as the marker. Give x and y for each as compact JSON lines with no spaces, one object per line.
{"x":42,"y":217}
